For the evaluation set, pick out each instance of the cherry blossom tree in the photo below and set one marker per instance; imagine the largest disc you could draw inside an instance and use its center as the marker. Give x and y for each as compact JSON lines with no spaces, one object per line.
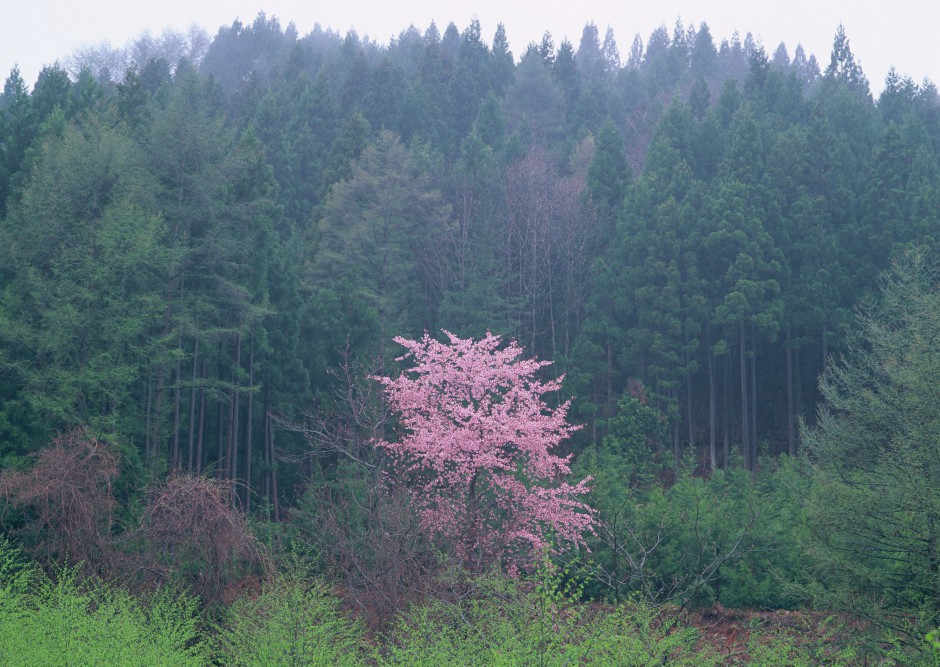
{"x":476,"y":448}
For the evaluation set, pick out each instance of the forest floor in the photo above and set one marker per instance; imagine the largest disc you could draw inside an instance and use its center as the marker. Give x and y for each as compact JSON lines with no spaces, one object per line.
{"x":732,"y":632}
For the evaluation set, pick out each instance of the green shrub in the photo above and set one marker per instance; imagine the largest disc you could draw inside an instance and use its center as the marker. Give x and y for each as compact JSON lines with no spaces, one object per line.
{"x":502,"y":622}
{"x":290,"y":623}
{"x":60,"y":621}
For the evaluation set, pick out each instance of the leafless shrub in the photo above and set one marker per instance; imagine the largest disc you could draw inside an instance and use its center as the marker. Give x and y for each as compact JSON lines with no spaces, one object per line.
{"x":191,"y":531}
{"x":366,"y":533}
{"x":371,"y":541}
{"x":68,"y":501}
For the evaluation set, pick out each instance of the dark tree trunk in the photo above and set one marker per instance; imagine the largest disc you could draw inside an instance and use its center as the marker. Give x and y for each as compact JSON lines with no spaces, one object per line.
{"x":177,"y":398}
{"x":791,"y":411}
{"x":251,"y":393}
{"x":221,"y":463}
{"x":200,"y":452}
{"x":712,"y":454}
{"x":192,"y":406}
{"x":610,"y":376}
{"x":824,"y":372}
{"x":676,"y":444}
{"x":233,"y":431}
{"x":273,"y":456}
{"x":158,"y":418}
{"x":745,"y":426}
{"x":726,"y":410}
{"x":753,"y":397}
{"x":148,"y":435}
{"x":266,"y":478}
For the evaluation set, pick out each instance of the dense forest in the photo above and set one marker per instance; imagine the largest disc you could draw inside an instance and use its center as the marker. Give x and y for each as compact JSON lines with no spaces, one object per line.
{"x":223,"y":260}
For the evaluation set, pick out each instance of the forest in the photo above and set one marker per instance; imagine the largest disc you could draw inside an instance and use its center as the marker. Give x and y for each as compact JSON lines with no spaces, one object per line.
{"x":317,"y":350}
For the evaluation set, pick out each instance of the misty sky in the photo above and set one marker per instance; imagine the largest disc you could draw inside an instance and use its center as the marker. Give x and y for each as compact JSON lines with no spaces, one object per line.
{"x":902,"y":33}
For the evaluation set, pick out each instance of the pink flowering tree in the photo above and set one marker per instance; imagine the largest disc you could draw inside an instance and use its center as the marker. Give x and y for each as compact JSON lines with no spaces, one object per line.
{"x":477,"y":447}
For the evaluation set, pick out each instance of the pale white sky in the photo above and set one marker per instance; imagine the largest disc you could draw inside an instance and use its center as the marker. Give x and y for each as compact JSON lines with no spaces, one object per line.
{"x":903,"y":33}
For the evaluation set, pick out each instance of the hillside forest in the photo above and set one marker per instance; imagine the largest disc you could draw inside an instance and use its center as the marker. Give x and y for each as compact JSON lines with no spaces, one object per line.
{"x":428,"y":352}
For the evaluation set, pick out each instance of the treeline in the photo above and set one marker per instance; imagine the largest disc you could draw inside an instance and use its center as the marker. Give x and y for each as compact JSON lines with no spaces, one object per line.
{"x":191,"y":249}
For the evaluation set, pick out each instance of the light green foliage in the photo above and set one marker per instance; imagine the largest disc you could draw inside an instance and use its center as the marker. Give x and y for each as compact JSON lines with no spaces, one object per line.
{"x":83,"y":248}
{"x":292,"y":623}
{"x":501,"y":622}
{"x":15,"y":577}
{"x":381,"y":238}
{"x":66,"y":622}
{"x":775,"y":651}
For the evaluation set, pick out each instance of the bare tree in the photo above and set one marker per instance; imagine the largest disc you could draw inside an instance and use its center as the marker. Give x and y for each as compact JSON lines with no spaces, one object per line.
{"x":191,"y":530}
{"x":367,"y":533}
{"x":68,"y":500}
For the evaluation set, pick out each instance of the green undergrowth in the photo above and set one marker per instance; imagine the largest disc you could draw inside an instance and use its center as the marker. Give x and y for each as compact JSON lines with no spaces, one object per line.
{"x":60,"y":620}
{"x":486,"y":620}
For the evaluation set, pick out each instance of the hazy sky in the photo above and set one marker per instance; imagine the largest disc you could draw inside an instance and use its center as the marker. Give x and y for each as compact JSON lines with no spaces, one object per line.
{"x":903,"y":33}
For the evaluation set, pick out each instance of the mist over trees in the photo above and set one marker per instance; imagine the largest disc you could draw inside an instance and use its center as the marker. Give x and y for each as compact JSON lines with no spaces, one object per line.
{"x":209,"y":245}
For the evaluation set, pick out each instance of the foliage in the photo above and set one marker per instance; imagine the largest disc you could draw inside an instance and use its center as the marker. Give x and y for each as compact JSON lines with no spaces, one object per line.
{"x":370,"y":538}
{"x":194,"y":234}
{"x":292,"y":622}
{"x":873,"y":507}
{"x":478,"y":444}
{"x":732,"y":539}
{"x":65,"y":621}
{"x":497,"y":621}
{"x":189,"y":533}
{"x":636,"y":435}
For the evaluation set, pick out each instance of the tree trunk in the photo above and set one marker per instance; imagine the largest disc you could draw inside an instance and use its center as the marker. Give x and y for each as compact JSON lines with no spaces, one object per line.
{"x":200,"y":462}
{"x":726,"y":409}
{"x":745,"y":426}
{"x":712,"y":454}
{"x":753,"y":397}
{"x":251,"y":394}
{"x":825,"y":360}
{"x":177,"y":397}
{"x":791,"y":412}
{"x":273,"y":455}
{"x":610,"y":376}
{"x":158,"y":418}
{"x":266,"y":479}
{"x":233,"y":431}
{"x":148,"y":435}
{"x":192,"y":405}
{"x":676,"y":444}
{"x":221,"y":464}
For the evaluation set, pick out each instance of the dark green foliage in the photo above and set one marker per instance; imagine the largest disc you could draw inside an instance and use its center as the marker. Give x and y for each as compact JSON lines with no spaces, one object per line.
{"x":187,"y":256}
{"x":608,"y":174}
{"x":873,"y":510}
{"x":733,"y":539}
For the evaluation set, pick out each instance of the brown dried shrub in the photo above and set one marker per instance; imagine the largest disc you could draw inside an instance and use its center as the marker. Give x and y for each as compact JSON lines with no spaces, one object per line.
{"x":67,"y":501}
{"x":192,"y":533}
{"x":372,"y":544}
{"x":366,"y":533}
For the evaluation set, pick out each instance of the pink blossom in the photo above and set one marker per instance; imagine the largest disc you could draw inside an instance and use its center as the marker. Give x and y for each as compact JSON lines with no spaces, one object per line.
{"x":477,"y":442}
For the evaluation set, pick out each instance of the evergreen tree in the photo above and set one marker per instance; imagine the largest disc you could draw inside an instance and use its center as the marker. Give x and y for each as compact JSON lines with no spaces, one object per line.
{"x":873,"y":507}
